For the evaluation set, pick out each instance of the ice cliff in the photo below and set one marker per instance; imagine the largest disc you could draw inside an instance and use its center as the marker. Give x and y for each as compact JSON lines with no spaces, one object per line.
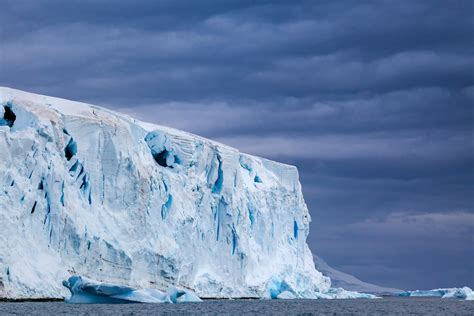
{"x":87,"y":191}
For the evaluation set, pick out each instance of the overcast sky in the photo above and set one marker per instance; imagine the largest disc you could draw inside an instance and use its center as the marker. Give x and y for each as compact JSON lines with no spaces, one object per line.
{"x":372,"y":101}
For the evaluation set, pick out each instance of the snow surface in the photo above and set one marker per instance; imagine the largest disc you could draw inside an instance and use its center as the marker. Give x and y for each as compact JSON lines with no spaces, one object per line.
{"x":349,"y":282}
{"x":87,"y":191}
{"x":462,"y":293}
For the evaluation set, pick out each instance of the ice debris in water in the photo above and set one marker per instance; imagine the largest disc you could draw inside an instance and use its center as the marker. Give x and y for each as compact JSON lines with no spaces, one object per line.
{"x":339,"y":293}
{"x":84,"y":290}
{"x":87,"y":291}
{"x":277,"y":288}
{"x":461,"y":293}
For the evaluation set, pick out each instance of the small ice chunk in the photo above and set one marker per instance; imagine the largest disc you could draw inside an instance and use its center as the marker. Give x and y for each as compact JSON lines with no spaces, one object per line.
{"x":339,"y":293}
{"x":461,"y":293}
{"x":87,"y":291}
{"x":180,"y":295}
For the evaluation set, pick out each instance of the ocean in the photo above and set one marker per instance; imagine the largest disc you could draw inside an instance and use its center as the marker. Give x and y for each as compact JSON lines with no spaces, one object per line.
{"x":383,"y":306}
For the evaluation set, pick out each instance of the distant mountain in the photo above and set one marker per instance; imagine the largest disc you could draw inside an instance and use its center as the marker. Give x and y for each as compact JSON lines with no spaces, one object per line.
{"x":350,"y":282}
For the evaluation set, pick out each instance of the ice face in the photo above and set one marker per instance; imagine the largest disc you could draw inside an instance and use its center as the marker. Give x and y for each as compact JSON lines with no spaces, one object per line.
{"x":87,"y":191}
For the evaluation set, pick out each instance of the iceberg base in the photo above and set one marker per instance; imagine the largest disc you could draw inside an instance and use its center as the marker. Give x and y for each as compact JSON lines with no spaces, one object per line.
{"x":87,"y":291}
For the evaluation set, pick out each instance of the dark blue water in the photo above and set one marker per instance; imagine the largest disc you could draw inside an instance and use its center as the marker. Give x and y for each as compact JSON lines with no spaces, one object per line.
{"x":393,"y":305}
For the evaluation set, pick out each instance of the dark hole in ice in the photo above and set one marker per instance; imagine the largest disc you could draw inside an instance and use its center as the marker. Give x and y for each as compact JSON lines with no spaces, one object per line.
{"x":220,"y":177}
{"x":9,"y":116}
{"x":33,"y":208}
{"x":90,"y":197}
{"x":71,"y":149}
{"x":295,"y":229}
{"x":161,"y":158}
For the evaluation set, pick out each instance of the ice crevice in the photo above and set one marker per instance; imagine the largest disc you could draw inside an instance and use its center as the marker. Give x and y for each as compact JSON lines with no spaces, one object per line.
{"x":71,"y":149}
{"x":9,"y":116}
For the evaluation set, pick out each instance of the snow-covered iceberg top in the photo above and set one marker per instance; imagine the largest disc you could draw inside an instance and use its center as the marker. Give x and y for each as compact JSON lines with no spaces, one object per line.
{"x":462,"y":293}
{"x":88,"y":191}
{"x":84,"y":290}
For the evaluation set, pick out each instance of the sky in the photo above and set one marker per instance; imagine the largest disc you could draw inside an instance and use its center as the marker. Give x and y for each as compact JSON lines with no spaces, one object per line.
{"x":371,"y":100}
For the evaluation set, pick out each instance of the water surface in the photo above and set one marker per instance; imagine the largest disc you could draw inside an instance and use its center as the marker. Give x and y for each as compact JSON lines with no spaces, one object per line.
{"x":391,"y":305}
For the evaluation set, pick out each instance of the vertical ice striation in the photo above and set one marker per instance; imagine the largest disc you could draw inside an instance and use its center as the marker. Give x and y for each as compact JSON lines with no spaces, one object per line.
{"x":87,"y":191}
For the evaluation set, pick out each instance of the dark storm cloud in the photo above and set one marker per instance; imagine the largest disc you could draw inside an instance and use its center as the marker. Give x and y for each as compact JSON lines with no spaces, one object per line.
{"x":440,"y":235}
{"x":235,"y":50}
{"x":372,"y":100}
{"x":417,"y":109}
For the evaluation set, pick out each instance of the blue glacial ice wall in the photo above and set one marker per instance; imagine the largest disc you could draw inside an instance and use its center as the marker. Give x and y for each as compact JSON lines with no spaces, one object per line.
{"x":87,"y":191}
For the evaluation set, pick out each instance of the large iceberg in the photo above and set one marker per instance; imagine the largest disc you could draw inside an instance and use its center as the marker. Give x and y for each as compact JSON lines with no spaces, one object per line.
{"x":87,"y":191}
{"x":462,"y":293}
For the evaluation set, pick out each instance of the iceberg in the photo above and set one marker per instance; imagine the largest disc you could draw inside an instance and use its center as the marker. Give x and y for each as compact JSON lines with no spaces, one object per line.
{"x":460,"y":293}
{"x":84,"y":290}
{"x":340,"y":293}
{"x":128,"y":211}
{"x":86,"y":191}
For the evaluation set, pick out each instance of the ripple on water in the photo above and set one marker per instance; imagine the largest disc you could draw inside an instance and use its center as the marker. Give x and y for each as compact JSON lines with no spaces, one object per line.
{"x":391,"y":305}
